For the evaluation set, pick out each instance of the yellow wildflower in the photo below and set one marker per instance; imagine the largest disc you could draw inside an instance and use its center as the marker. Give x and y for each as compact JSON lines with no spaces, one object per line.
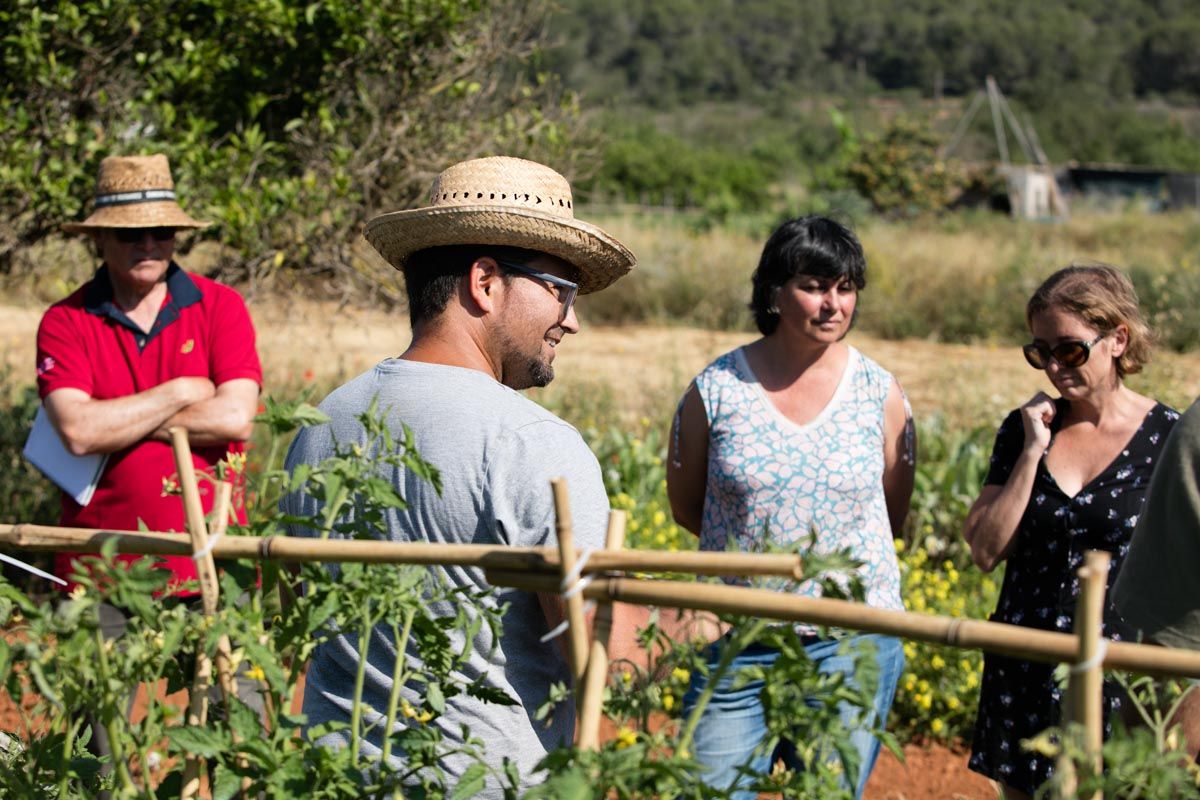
{"x":626,"y":738}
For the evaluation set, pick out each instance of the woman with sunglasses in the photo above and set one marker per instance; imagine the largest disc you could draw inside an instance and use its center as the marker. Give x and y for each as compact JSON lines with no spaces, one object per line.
{"x":1068,"y":474}
{"x":797,"y":433}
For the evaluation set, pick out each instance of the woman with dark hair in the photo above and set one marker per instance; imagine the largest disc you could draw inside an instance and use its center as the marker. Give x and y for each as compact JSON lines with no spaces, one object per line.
{"x":1068,"y":474}
{"x":799,"y":438}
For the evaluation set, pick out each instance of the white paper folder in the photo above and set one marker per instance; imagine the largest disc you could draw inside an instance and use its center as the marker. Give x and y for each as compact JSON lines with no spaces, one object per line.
{"x":75,"y":475}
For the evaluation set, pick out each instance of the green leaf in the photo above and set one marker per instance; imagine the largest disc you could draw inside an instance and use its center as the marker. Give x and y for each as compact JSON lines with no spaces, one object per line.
{"x":227,"y":784}
{"x":434,"y":698}
{"x":194,"y":740}
{"x":471,"y":783}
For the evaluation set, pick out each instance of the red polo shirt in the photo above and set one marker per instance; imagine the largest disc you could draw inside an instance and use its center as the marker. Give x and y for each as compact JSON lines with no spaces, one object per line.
{"x":86,"y":342}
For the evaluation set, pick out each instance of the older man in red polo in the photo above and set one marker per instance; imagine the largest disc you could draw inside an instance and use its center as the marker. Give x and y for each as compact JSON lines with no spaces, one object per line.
{"x":141,"y":347}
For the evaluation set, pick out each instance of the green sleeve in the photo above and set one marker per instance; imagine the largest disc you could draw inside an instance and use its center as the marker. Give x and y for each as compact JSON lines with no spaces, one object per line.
{"x":1158,"y":591}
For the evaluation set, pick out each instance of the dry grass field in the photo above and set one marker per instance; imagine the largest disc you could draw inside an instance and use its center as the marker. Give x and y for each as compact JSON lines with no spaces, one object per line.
{"x":633,"y":371}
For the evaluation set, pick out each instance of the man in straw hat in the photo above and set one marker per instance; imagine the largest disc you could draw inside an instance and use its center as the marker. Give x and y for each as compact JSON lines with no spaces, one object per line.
{"x":141,"y":347}
{"x":492,"y":266}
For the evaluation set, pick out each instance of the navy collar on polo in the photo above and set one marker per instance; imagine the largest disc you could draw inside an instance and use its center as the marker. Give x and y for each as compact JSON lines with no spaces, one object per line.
{"x":181,"y":289}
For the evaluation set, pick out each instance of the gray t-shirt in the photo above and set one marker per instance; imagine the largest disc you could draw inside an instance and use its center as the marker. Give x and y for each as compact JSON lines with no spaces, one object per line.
{"x":497,"y":452}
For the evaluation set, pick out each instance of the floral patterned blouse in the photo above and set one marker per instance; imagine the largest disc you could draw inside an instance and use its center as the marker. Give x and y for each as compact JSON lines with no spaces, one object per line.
{"x":769,"y":478}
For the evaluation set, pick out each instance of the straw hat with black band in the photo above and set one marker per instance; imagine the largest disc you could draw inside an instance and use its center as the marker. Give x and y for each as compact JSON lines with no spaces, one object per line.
{"x":508,"y":202}
{"x":135,"y":192}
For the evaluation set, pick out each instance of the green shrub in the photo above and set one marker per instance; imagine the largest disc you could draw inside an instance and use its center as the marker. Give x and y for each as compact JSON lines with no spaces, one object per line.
{"x":951,"y":466}
{"x":635,"y":477}
{"x":1169,"y":299}
{"x":288,"y":123}
{"x":899,"y":172}
{"x":939,"y":692}
{"x":25,"y":494}
{"x":647,"y":166}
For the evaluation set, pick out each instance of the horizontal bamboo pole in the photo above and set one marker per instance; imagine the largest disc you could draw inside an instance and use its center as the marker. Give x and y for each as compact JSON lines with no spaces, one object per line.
{"x":994,"y":637}
{"x":289,"y":548}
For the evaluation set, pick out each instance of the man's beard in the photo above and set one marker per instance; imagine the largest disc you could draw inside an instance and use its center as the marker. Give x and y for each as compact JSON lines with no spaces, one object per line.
{"x":540,"y":373}
{"x":523,"y":371}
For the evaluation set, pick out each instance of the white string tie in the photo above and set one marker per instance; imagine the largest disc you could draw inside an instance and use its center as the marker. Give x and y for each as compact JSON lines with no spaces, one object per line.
{"x":572,"y":584}
{"x":1096,"y":660}
{"x":206,"y":551}
{"x":16,"y":562}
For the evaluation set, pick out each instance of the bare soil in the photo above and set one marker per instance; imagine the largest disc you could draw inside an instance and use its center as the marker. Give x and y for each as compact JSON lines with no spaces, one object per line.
{"x":929,"y":772}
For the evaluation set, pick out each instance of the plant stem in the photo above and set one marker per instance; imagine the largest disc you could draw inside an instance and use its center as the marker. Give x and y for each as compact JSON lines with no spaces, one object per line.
{"x":364,"y":640}
{"x":64,"y":769}
{"x":730,"y":651}
{"x":401,"y":641}
{"x":332,"y":511}
{"x":110,"y":721}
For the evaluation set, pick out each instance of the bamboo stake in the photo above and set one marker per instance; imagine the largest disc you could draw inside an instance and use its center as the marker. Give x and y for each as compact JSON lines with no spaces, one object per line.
{"x":577,"y":644}
{"x":994,"y":637}
{"x":222,"y":501}
{"x":1085,"y":692}
{"x":222,"y":504}
{"x":597,"y":666}
{"x":198,"y":531}
{"x":289,"y":548}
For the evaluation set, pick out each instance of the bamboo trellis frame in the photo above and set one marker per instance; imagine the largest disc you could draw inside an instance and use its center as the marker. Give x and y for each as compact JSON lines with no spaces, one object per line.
{"x":286,"y":548}
{"x":543,"y":570}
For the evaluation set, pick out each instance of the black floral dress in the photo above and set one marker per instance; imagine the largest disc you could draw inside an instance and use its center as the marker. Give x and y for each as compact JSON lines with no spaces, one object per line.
{"x":1019,"y":699}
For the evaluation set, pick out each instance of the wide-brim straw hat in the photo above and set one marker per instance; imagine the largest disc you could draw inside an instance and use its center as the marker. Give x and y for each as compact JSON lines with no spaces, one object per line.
{"x":135,"y":192}
{"x":503,"y":201}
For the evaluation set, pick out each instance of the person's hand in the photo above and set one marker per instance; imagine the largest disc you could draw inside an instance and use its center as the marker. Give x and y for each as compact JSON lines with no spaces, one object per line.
{"x":192,"y":390}
{"x":695,"y":626}
{"x":1037,"y":415}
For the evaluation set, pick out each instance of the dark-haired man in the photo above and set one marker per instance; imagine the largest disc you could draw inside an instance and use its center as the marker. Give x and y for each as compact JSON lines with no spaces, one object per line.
{"x":492,"y":267}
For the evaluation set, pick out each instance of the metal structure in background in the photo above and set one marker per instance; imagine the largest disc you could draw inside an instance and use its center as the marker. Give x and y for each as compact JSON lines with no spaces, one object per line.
{"x":1033,"y":191}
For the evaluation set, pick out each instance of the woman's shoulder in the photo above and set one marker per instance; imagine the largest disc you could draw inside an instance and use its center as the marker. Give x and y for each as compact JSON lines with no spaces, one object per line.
{"x":870,"y":374}
{"x":727,"y":366}
{"x":1163,"y":413}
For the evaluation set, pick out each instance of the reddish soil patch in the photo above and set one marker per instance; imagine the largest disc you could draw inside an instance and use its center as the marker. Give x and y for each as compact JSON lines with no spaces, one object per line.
{"x":928,"y":772}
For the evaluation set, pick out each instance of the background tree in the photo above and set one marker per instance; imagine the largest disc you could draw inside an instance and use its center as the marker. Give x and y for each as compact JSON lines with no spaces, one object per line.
{"x":288,"y":123}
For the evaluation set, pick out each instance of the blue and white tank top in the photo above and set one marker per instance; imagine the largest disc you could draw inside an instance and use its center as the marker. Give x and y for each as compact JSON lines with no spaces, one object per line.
{"x":821,"y":482}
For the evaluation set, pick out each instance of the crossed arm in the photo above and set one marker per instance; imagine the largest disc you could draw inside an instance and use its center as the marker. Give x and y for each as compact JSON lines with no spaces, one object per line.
{"x":211,"y":414}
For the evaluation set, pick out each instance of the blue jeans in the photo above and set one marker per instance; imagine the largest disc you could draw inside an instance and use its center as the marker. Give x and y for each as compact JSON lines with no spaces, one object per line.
{"x":732,"y":724}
